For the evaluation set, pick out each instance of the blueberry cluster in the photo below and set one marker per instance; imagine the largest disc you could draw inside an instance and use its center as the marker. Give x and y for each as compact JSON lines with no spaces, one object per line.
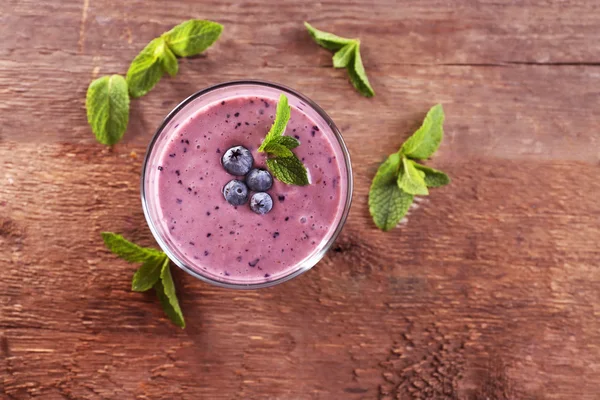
{"x":238,"y":161}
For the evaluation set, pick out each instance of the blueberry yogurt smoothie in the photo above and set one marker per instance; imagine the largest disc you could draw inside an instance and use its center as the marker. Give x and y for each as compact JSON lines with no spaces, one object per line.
{"x":216,"y":209}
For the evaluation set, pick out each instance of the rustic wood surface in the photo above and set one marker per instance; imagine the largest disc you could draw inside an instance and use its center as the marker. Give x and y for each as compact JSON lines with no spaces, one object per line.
{"x":491,"y":290}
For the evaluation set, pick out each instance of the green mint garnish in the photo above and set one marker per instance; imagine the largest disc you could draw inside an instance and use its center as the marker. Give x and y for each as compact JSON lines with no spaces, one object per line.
{"x":165,"y":290}
{"x":328,"y":40}
{"x":107,"y":104}
{"x":154,"y":273}
{"x":278,"y":150}
{"x":128,"y":251}
{"x":433,"y":177}
{"x":426,"y":140}
{"x":192,"y":37}
{"x":282,"y":117}
{"x":343,"y":57}
{"x":186,"y":39}
{"x":169,"y":62}
{"x":289,"y":142}
{"x":288,"y":170}
{"x":148,"y":67}
{"x":282,"y":162}
{"x":108,"y":108}
{"x":148,"y":274}
{"x":400,"y":178}
{"x":410,"y":179}
{"x":358,"y":75}
{"x":347,"y":56}
{"x":387,"y":202}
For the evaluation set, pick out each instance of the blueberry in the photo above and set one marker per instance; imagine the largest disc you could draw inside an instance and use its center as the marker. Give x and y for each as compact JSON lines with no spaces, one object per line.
{"x":259,"y":180}
{"x":254,"y":262}
{"x":237,"y":160}
{"x":261,"y":203}
{"x":235,"y":192}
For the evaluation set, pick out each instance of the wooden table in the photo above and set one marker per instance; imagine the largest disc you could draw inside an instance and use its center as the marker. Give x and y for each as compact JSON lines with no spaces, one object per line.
{"x":491,"y":290}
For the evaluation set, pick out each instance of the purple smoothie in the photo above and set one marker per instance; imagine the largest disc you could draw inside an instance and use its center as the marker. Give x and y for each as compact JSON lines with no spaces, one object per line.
{"x":233,"y":244}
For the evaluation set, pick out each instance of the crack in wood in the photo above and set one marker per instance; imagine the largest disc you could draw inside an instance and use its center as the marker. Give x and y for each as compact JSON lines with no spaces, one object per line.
{"x":84,"y":12}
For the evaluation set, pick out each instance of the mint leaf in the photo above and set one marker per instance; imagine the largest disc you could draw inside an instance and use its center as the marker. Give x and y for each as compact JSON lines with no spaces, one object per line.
{"x":410,"y":179}
{"x":387,"y":202}
{"x":358,"y":76}
{"x":128,"y":251}
{"x":165,"y":290}
{"x":148,"y":274}
{"x":344,"y":56}
{"x":347,"y":55}
{"x":426,"y":140}
{"x":282,"y":116}
{"x":107,"y":105}
{"x":175,"y":315}
{"x":288,"y":170}
{"x":289,"y":142}
{"x":433,"y":177}
{"x":278,"y":150}
{"x":327,"y":40}
{"x":146,"y":69}
{"x":169,"y":62}
{"x":192,"y":37}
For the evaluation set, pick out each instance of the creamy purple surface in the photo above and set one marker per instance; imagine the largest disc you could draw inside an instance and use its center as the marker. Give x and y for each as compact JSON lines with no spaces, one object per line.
{"x":234,"y":244}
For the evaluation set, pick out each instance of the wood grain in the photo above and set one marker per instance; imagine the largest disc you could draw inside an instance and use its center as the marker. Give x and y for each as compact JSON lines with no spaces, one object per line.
{"x":490,"y":290}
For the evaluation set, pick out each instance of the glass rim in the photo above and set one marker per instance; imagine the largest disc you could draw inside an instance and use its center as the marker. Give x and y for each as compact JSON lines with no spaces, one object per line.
{"x":313,"y":259}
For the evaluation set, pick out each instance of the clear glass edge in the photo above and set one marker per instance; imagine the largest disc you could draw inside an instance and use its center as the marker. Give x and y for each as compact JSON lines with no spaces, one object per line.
{"x":313,"y":260}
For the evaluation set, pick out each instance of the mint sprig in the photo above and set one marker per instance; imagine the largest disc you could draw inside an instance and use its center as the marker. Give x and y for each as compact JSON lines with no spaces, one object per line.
{"x":154,"y":273}
{"x":107,"y":101}
{"x":400,"y":177}
{"x":282,"y":162}
{"x":347,"y":56}
{"x":184,"y":40}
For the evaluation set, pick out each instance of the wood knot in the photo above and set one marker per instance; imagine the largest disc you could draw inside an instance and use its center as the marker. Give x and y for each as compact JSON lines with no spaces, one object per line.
{"x":11,"y":231}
